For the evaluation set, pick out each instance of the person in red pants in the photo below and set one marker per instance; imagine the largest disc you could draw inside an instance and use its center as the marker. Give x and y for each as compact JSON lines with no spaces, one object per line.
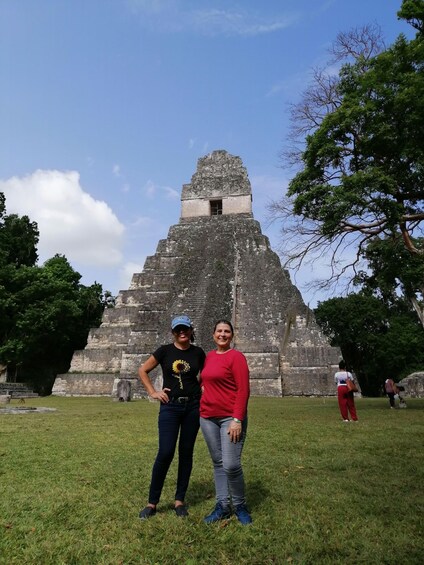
{"x":345,"y":398}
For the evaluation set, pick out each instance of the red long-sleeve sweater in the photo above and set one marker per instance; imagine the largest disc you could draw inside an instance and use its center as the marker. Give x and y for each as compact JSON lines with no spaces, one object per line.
{"x":225,"y":382}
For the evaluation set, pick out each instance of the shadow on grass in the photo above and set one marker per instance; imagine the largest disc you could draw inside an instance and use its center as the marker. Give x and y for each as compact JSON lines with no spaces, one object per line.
{"x":411,"y":404}
{"x":257,"y":494}
{"x":201,"y":491}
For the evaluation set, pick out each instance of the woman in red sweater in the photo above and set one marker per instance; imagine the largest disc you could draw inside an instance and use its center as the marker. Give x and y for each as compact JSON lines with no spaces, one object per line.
{"x":223,"y":420}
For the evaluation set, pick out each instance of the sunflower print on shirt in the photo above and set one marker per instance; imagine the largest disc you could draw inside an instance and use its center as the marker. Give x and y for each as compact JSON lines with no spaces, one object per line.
{"x":178,"y":368}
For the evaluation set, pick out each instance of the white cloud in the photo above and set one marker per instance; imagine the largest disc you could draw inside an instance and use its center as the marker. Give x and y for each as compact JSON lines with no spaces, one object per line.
{"x":116,"y":170}
{"x":151,"y":190}
{"x":326,"y":5}
{"x":70,"y":221}
{"x":224,"y":22}
{"x":174,"y":16}
{"x":171,"y":193}
{"x":142,"y":222}
{"x":126,"y":273}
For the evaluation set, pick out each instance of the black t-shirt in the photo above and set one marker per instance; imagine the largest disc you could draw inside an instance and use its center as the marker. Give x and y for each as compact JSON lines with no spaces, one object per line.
{"x":180,"y":368}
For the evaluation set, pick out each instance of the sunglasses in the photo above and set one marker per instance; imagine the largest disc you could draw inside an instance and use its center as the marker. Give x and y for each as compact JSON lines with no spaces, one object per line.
{"x":179,"y":329}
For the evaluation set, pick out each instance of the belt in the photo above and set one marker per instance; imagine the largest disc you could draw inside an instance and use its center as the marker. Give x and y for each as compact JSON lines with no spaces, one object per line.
{"x":183,"y":399}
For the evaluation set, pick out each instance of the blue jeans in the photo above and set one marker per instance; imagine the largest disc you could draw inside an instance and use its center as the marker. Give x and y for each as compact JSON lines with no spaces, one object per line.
{"x":174,"y":419}
{"x":226,"y":459}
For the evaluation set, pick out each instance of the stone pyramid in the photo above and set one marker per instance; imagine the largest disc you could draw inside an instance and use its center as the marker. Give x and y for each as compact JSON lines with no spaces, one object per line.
{"x":215,"y":263}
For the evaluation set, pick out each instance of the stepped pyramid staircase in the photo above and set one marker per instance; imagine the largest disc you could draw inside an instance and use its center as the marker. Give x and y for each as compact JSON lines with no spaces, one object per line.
{"x":211,"y":266}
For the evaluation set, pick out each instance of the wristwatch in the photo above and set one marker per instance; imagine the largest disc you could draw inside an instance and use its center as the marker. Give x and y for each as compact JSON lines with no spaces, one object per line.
{"x":237,"y":420}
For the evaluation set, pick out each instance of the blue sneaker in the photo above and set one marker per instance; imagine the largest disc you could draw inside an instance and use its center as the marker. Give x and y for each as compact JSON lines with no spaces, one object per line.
{"x":243,"y":514}
{"x":218,"y":513}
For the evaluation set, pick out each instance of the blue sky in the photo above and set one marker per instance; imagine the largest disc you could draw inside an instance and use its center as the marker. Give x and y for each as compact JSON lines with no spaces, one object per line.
{"x":106,"y":106}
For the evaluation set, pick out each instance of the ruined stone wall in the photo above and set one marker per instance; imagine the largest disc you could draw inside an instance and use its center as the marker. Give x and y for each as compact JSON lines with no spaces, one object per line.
{"x":83,"y":384}
{"x":218,"y":175}
{"x":414,"y":385}
{"x":230,"y":205}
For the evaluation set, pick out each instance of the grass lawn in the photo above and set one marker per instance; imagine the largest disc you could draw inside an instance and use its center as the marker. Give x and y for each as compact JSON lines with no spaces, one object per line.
{"x":321,"y":491}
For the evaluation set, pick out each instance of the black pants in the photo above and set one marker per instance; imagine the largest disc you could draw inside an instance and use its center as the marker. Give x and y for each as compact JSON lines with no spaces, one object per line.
{"x":391,"y":396}
{"x":175,"y":419}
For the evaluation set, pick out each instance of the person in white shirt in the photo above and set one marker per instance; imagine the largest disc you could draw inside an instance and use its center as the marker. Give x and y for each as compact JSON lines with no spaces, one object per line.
{"x":345,"y":398}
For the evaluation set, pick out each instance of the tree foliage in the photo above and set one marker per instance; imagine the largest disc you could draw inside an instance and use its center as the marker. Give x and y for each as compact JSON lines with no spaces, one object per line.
{"x":45,"y":313}
{"x":376,"y":341}
{"x":18,"y":238}
{"x":362,"y":167}
{"x":394,"y":274}
{"x":413,"y":12}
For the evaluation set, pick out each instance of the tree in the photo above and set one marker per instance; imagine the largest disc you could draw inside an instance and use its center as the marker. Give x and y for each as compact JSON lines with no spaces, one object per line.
{"x":18,"y":249}
{"x":362,"y":171}
{"x":376,"y":341}
{"x":413,"y":12}
{"x":49,"y":316}
{"x":322,"y":96}
{"x":394,"y":273}
{"x":45,"y":313}
{"x":18,"y":238}
{"x":108,"y":300}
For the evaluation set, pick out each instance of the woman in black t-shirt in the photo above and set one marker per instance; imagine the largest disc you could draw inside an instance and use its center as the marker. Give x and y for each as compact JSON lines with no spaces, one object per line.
{"x":181,"y":362}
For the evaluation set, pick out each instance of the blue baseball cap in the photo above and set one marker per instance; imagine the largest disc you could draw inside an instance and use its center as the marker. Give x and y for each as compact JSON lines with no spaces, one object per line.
{"x":181,"y":321}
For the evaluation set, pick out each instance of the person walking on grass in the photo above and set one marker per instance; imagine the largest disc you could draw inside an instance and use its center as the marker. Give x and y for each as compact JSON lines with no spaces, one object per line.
{"x":391,"y":390}
{"x":223,"y":420}
{"x":345,"y":398}
{"x":181,"y":362}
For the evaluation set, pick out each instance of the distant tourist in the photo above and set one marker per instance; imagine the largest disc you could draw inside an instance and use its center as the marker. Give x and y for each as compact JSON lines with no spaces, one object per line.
{"x":181,"y":362}
{"x":345,"y":397}
{"x":223,"y":419}
{"x":391,"y":390}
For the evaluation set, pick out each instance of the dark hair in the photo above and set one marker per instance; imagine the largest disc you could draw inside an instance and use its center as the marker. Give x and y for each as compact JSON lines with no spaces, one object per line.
{"x":224,"y":322}
{"x":342,"y":364}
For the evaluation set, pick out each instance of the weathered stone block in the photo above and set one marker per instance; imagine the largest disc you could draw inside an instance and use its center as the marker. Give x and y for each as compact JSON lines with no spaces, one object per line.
{"x":83,"y":384}
{"x":96,"y":360}
{"x":414,"y":385}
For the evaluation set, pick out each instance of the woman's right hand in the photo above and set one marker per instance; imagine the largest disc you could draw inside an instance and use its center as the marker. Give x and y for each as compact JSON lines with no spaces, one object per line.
{"x":161,"y":395}
{"x":235,"y":431}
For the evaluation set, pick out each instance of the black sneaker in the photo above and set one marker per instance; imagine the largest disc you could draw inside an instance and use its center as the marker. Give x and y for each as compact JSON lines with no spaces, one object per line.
{"x":147,"y":512}
{"x":181,"y":511}
{"x":218,"y":513}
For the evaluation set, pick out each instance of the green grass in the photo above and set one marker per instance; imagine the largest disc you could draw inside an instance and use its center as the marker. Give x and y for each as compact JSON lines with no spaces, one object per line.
{"x":72,"y":483}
